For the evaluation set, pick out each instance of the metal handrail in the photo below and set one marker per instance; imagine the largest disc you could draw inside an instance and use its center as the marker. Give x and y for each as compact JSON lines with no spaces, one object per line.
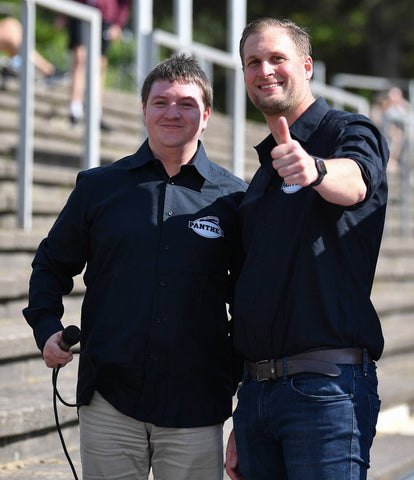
{"x":150,"y":40}
{"x":92,"y":18}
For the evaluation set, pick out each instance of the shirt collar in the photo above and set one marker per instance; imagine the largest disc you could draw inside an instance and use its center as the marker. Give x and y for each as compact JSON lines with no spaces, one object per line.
{"x":200,"y":161}
{"x":301,"y":129}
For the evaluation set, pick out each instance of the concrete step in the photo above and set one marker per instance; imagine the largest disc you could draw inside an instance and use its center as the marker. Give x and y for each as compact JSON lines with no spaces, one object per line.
{"x":391,"y":459}
{"x":398,"y":333}
{"x":26,"y":414}
{"x":390,"y":297}
{"x":392,"y":456}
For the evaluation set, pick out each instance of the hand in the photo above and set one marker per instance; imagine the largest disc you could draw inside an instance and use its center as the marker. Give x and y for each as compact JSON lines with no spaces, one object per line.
{"x":290,"y":160}
{"x":114,"y":32}
{"x":53,"y":355}
{"x":232,"y":464}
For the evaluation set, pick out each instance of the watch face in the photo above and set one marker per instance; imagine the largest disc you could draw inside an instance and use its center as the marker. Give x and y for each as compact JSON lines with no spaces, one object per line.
{"x":321,"y":168}
{"x":320,"y":165}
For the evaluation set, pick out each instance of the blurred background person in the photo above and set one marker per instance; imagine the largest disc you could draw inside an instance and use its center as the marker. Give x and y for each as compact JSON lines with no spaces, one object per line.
{"x":392,"y":112}
{"x":11,"y":37}
{"x":115,"y":15}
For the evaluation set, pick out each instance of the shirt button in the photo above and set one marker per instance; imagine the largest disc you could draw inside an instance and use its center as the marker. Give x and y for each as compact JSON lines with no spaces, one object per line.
{"x":170,"y":213}
{"x":165,"y":247}
{"x":163,"y":283}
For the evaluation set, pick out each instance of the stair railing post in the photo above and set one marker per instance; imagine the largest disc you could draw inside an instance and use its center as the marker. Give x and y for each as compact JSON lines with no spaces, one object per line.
{"x":237,"y":15}
{"x":143,"y":35}
{"x":93,"y":104}
{"x":25,"y":146}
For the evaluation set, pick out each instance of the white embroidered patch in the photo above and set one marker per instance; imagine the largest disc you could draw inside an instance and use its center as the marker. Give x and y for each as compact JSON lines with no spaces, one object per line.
{"x":290,"y":188}
{"x":208,"y":227}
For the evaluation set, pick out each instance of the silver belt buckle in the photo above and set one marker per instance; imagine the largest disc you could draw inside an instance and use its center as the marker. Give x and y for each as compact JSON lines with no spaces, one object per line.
{"x":270,"y":369}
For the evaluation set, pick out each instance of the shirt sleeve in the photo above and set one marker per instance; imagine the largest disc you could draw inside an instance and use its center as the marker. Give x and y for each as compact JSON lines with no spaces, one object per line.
{"x":360,"y":140}
{"x":60,"y":257}
{"x":124,"y":9}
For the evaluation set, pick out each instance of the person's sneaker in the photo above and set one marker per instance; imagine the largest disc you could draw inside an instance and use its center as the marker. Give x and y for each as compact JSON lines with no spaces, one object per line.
{"x":75,"y":120}
{"x":105,"y":127}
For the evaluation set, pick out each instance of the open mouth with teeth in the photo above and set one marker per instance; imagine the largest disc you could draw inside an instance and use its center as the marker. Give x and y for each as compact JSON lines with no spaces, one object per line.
{"x":271,"y":85}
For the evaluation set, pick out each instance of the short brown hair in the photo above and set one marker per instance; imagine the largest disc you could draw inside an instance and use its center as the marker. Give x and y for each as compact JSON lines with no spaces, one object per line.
{"x":179,"y":68}
{"x":299,"y":35}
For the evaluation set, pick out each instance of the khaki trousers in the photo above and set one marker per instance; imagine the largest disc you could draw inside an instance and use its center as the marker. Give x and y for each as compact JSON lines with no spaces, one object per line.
{"x":115,"y":446}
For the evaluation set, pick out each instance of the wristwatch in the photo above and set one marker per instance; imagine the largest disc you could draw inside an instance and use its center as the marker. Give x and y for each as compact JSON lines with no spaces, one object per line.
{"x":321,"y":168}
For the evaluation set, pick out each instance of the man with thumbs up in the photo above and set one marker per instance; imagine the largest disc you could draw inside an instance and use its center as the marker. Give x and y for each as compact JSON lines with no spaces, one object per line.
{"x":313,"y":219}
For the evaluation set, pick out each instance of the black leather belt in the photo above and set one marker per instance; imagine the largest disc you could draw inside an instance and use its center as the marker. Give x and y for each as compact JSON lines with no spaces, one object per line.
{"x":323,"y":362}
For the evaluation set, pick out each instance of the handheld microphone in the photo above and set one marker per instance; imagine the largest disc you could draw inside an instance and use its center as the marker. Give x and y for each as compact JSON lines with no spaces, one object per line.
{"x":70,"y":336}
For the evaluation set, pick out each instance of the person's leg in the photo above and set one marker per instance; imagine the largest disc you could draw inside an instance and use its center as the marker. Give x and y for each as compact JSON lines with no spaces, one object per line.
{"x":187,"y":453}
{"x":77,"y":89}
{"x":78,"y":83}
{"x":106,"y":42}
{"x":327,"y":424}
{"x":113,"y":445}
{"x":104,"y":64}
{"x":259,"y":452}
{"x":45,"y":67}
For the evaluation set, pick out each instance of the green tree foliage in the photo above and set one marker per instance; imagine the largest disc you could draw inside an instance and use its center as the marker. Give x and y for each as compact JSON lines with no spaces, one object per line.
{"x":371,"y":37}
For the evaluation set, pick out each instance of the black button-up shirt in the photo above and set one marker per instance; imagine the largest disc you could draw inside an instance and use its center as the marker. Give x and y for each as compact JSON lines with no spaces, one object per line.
{"x":310,"y":264}
{"x":158,"y":252}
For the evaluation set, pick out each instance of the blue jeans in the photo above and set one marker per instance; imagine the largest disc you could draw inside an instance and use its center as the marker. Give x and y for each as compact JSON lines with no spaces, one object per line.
{"x":308,"y":426}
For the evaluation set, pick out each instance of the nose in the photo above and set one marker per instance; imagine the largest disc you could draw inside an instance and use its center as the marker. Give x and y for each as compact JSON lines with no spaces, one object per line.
{"x":172,"y":111}
{"x":266,"y":69}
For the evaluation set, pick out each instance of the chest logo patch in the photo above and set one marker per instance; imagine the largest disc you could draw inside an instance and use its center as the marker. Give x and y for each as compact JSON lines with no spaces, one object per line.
{"x":208,"y":227}
{"x":290,"y":188}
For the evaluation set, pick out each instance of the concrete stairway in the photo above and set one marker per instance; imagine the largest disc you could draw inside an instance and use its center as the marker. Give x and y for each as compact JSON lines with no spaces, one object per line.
{"x":28,"y":438}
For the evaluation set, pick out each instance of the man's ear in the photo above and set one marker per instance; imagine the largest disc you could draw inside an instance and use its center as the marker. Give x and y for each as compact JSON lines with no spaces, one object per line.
{"x":206,"y":115}
{"x":308,"y":68}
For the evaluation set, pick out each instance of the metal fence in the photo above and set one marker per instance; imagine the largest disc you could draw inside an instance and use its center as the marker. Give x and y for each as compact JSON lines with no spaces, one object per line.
{"x":92,"y":20}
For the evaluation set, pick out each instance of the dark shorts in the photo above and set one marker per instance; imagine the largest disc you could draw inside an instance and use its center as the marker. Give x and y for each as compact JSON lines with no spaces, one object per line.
{"x":75,"y":35}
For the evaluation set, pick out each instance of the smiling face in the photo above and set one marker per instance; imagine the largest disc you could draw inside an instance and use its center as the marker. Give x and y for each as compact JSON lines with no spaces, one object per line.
{"x":175,"y":116}
{"x":276,"y":75}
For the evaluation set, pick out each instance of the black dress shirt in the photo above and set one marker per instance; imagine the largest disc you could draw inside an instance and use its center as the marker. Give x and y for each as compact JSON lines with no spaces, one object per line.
{"x":158,"y":251}
{"x":310,"y":264}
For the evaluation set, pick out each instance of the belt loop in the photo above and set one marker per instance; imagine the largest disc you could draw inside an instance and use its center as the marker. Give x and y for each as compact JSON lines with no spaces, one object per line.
{"x":285,"y":372}
{"x":365,"y":361}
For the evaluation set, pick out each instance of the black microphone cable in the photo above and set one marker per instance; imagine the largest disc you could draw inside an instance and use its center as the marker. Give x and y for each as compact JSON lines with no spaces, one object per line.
{"x":70,"y":336}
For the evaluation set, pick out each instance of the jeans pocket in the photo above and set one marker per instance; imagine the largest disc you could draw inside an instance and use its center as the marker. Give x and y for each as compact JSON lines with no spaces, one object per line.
{"x":374,"y":409}
{"x":321,"y":388}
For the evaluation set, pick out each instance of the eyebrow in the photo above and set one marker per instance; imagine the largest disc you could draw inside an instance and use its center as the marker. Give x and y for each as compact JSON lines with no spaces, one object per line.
{"x":165,"y":97}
